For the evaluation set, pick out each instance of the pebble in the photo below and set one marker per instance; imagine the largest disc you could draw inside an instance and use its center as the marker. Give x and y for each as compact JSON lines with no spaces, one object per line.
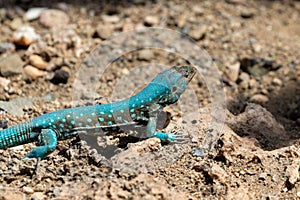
{"x":37,"y":62}
{"x":32,"y":72}
{"x":55,"y":62}
{"x":181,"y":21}
{"x":110,"y":19}
{"x":246,"y":14}
{"x":4,"y":82}
{"x":51,"y":17}
{"x":198,"y":10}
{"x":33,"y":13}
{"x":104,"y":31}
{"x":16,"y":23}
{"x":218,"y":173}
{"x":145,"y":54}
{"x":25,"y":36}
{"x":259,"y":98}
{"x":38,"y":196}
{"x":198,"y":152}
{"x":233,"y":72}
{"x":27,"y":190}
{"x":3,"y":124}
{"x":263,"y":176}
{"x":60,"y":76}
{"x":292,"y":172}
{"x":11,"y":193}
{"x":11,"y":65}
{"x":244,"y":77}
{"x":198,"y":33}
{"x":151,"y":20}
{"x":257,"y":47}
{"x":277,"y":82}
{"x":252,"y":83}
{"x":6,"y":46}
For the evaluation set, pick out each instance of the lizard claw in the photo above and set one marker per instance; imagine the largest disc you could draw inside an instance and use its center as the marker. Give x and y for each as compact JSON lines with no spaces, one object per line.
{"x":172,"y":137}
{"x":180,"y":138}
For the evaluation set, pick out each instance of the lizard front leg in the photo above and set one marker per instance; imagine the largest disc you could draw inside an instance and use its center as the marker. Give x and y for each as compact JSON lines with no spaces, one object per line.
{"x":48,"y":140}
{"x":166,"y":137}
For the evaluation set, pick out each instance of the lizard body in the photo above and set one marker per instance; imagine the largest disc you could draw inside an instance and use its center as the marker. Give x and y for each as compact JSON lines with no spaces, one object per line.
{"x":49,"y":128}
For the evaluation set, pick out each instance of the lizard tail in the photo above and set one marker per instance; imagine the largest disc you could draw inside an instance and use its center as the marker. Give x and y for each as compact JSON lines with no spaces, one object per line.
{"x":16,"y":135}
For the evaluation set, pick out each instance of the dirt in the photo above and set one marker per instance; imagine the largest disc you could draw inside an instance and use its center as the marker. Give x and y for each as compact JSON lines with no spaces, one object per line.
{"x":254,"y":153}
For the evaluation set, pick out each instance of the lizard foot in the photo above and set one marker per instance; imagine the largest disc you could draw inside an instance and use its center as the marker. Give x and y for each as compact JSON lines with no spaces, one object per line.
{"x":172,"y":137}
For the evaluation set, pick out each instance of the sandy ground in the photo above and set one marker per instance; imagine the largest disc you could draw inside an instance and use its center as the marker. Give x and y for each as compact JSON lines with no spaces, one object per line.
{"x":246,"y":150}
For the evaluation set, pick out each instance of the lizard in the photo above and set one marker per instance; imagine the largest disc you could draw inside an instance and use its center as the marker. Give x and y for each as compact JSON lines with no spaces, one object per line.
{"x":49,"y":128}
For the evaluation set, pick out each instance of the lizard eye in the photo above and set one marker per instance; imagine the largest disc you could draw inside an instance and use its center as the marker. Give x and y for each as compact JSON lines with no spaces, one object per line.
{"x":174,"y":88}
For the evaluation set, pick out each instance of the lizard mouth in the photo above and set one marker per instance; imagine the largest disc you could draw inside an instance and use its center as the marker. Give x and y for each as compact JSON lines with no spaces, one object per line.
{"x":187,"y":71}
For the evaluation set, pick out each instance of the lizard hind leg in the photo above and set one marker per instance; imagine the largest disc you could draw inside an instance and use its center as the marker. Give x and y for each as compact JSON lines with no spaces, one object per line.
{"x":48,"y":140}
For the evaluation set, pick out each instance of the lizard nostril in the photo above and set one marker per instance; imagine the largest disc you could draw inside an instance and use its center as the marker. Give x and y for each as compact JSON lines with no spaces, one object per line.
{"x":174,"y":88}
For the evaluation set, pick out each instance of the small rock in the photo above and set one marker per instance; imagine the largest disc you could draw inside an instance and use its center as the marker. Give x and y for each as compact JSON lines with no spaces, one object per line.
{"x":198,"y":152}
{"x":6,"y":46}
{"x":198,"y":10}
{"x":110,"y":19}
{"x":7,"y":193}
{"x":16,"y":23}
{"x":244,"y":77}
{"x":233,"y":72}
{"x":33,"y":13}
{"x":257,"y":122}
{"x":246,"y":14}
{"x":218,"y":173}
{"x":199,"y":32}
{"x":38,"y":196}
{"x":151,"y":20}
{"x":104,"y":31}
{"x":252,"y":83}
{"x":181,"y":21}
{"x":245,"y":80}
{"x":25,"y":36}
{"x":51,"y":17}
{"x":3,"y":13}
{"x":277,"y":82}
{"x":32,"y":72}
{"x":60,"y":76}
{"x":27,"y":190}
{"x":259,"y":98}
{"x":11,"y":65}
{"x":37,"y":62}
{"x":145,"y":54}
{"x":263,"y":176}
{"x":257,"y":47}
{"x":3,"y":124}
{"x":292,"y":172}
{"x":4,"y":82}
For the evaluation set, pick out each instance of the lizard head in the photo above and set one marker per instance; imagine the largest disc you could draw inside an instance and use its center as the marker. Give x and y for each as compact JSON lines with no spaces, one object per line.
{"x":174,"y":81}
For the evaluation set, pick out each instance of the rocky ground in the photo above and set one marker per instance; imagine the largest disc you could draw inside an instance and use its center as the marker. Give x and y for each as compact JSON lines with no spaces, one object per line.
{"x":255,"y":46}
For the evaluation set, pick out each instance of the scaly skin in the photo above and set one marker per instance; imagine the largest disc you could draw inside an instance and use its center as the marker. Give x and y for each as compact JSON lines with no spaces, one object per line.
{"x":47,"y":129}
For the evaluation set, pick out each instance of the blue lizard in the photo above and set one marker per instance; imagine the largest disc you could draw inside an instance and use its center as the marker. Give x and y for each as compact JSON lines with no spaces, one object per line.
{"x":49,"y":128}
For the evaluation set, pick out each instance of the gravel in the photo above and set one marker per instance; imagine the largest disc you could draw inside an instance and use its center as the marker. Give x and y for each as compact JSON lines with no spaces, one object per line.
{"x":255,"y":45}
